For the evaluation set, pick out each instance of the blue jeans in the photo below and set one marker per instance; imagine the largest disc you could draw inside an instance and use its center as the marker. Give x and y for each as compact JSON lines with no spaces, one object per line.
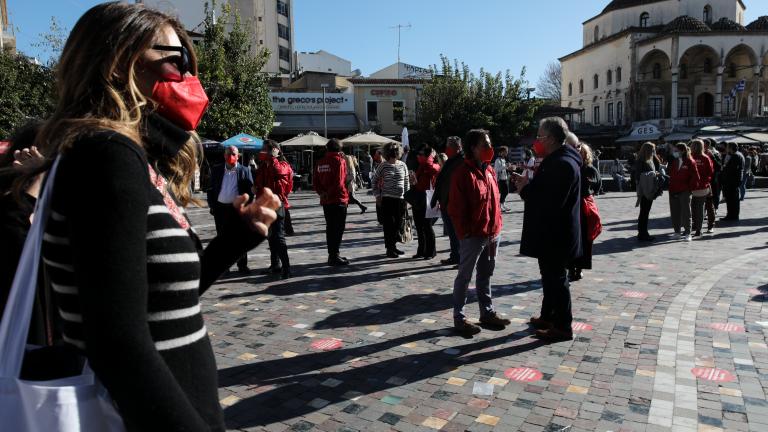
{"x":475,"y":253}
{"x":451,"y":232}
{"x":743,"y":187}
{"x":619,"y":179}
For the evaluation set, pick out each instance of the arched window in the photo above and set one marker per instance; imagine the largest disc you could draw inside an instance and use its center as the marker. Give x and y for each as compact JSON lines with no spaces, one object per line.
{"x":581,"y":86}
{"x":657,"y":71}
{"x":732,"y":70}
{"x":644,"y":17}
{"x":619,"y":113}
{"x":708,"y":14}
{"x":570,"y":89}
{"x":708,"y":65}
{"x":597,"y":33}
{"x":683,"y":71}
{"x":618,"y":74}
{"x":596,"y":81}
{"x":609,"y":77}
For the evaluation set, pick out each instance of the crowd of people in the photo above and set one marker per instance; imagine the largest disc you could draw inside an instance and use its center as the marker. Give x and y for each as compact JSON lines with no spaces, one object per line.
{"x":124,"y":268}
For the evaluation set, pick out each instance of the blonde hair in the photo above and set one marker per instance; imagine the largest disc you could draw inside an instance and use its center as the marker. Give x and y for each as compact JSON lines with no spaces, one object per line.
{"x":586,"y":153}
{"x":97,"y":90}
{"x":646,"y":151}
{"x":697,"y":147}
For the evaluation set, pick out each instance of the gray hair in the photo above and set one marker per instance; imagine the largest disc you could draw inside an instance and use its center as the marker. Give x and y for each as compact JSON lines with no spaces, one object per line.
{"x":392,"y":150}
{"x":231,"y":150}
{"x":556,"y":127}
{"x":454,"y":141}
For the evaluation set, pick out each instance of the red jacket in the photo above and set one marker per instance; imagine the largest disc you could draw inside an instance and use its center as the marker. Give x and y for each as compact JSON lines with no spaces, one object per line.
{"x":277,"y":176}
{"x":426,"y":174}
{"x":706,"y":168}
{"x":330,"y":179}
{"x":473,"y":203}
{"x":685,"y":178}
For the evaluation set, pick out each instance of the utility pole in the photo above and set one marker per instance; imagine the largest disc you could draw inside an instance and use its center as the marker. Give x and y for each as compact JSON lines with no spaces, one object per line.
{"x":325,"y":113}
{"x":400,"y":27}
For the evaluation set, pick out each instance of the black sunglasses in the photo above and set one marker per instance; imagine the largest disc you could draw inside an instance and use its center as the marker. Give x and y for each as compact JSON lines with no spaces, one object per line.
{"x":182,"y":61}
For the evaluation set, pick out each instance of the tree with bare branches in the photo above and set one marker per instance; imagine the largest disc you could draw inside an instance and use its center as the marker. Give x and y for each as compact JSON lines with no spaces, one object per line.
{"x":550,"y":84}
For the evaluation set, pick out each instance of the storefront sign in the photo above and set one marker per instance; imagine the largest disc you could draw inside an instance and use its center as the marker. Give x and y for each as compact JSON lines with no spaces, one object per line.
{"x":312,"y":102}
{"x":383,"y":92}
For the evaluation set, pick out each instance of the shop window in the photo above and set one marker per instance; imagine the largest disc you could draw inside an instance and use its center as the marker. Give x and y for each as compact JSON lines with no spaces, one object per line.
{"x":372,"y":108}
{"x":398,"y":111}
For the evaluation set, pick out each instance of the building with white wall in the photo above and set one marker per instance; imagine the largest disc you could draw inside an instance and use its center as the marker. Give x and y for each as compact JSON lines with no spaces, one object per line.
{"x":668,"y":62}
{"x":270,"y":21}
{"x":323,"y":62}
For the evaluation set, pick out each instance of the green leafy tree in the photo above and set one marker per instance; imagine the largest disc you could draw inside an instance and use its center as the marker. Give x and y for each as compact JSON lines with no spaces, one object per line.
{"x":232,"y":77}
{"x":456,"y":100}
{"x":26,"y":91}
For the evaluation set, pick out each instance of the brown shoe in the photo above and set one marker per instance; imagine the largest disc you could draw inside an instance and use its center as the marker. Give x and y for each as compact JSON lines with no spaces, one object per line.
{"x":540,"y":324}
{"x":554,"y":335}
{"x":466,"y":328}
{"x":494,"y":320}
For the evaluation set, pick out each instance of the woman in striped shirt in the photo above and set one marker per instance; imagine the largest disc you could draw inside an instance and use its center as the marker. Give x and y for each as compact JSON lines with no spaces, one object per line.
{"x":390,"y":183}
{"x":126,"y":267}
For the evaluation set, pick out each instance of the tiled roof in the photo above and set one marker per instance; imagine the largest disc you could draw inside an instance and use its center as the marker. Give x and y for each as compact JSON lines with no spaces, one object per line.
{"x":621,"y":4}
{"x":760,"y":24}
{"x":727,"y":25}
{"x":686,"y":24}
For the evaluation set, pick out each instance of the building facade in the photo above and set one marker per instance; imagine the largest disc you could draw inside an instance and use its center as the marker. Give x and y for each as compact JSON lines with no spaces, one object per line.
{"x":322,"y":62}
{"x":270,"y":22}
{"x":7,"y":36}
{"x":386,"y":105}
{"x":668,"y":62}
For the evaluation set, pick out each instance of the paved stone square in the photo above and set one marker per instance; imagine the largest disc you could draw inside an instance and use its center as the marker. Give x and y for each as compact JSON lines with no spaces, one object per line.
{"x":669,"y":336}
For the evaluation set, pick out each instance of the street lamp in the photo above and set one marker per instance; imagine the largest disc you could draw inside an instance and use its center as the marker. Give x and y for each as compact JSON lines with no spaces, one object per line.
{"x":325,"y":114}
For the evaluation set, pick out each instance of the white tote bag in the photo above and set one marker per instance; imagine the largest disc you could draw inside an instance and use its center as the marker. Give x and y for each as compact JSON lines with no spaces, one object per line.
{"x":431,"y":212}
{"x":72,"y":404}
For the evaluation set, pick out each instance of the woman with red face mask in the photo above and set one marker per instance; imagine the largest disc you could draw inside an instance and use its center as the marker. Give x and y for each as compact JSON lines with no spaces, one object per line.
{"x":424,"y":180}
{"x":275,"y":173}
{"x":125,"y":265}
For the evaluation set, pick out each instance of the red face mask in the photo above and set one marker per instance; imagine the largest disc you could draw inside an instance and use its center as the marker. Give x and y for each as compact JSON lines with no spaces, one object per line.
{"x":231,"y":159}
{"x":182,"y":102}
{"x":450,"y":152}
{"x":486,"y":155}
{"x":538,"y":148}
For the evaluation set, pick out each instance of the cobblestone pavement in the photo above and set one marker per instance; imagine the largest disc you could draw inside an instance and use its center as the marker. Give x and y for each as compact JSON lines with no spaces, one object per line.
{"x":670,"y":336}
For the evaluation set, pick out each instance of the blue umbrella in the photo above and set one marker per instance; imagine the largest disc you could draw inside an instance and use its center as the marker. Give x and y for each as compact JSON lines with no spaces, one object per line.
{"x":244,"y":142}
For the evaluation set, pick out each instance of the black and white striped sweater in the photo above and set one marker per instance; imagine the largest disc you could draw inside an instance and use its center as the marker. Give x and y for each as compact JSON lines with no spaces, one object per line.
{"x":127,"y":271}
{"x":391,"y":180}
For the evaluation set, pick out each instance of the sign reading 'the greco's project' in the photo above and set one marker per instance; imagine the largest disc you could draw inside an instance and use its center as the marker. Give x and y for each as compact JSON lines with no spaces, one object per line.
{"x":312,"y":102}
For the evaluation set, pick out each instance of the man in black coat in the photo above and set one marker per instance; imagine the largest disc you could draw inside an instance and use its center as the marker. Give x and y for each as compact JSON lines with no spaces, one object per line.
{"x":228,"y":181}
{"x":552,"y":224}
{"x":453,"y":150}
{"x":730,"y":178}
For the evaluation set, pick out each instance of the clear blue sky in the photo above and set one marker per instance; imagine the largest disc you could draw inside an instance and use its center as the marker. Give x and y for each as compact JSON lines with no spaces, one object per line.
{"x":493,"y":34}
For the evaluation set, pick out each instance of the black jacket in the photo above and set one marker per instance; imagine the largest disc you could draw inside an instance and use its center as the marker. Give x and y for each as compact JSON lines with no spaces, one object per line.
{"x":443,"y":181}
{"x":244,"y":183}
{"x":552,"y":219}
{"x":733,"y":171}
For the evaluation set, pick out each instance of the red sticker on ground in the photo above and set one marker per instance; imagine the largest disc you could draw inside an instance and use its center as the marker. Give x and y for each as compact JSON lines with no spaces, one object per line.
{"x":581,"y":327}
{"x":327,"y":344}
{"x":713,"y":374}
{"x":635,"y":294}
{"x":727,"y":327}
{"x":523,"y":374}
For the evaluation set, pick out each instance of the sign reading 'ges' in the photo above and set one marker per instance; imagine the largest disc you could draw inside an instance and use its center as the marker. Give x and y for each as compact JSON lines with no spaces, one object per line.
{"x":312,"y":102}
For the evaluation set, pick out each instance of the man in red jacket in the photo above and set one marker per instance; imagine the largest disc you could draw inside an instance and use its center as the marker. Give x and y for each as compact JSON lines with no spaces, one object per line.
{"x":473,"y":206}
{"x":330,"y":184}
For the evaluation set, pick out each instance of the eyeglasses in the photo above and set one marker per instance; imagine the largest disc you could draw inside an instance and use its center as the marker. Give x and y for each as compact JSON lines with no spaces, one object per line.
{"x":182,"y":61}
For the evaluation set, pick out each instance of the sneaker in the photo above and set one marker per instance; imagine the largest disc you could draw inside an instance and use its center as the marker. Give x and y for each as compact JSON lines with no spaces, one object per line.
{"x":687,"y":237}
{"x":449,"y":261}
{"x":554,"y":335}
{"x":337,"y":261}
{"x":466,"y":328}
{"x":710,"y":230}
{"x":540,"y":323}
{"x":697,"y":234}
{"x":494,"y":320}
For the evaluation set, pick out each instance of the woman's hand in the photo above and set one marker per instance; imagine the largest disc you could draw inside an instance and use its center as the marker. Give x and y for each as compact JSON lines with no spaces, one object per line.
{"x":260,"y":213}
{"x":26,"y":158}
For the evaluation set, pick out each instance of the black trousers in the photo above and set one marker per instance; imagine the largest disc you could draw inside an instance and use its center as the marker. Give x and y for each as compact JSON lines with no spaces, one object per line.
{"x":288,"y":223}
{"x":503,"y":190}
{"x":335,"y":222}
{"x":425,"y":232}
{"x":556,"y":306}
{"x":642,"y":221}
{"x":391,"y":213}
{"x":278,"y":248}
{"x":716,"y":191}
{"x":584,"y":262}
{"x":732,"y":200}
{"x":225,"y":217}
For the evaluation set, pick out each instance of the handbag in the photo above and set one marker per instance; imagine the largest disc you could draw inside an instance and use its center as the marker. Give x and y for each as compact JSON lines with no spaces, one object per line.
{"x":702,"y":193}
{"x":75,"y":403}
{"x":405,"y":233}
{"x":431,"y":212}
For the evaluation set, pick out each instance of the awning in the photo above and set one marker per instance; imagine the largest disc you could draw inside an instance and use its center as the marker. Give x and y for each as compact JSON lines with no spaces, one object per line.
{"x":738,"y":139}
{"x":642,"y":132}
{"x":637,"y":138}
{"x":367,"y":138}
{"x":758,"y":136}
{"x":310,"y":139}
{"x":338,"y":123}
{"x":678,"y":136}
{"x":244,"y":141}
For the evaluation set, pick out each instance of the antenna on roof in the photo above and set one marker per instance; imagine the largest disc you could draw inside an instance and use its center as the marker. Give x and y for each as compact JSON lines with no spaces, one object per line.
{"x":400,"y":27}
